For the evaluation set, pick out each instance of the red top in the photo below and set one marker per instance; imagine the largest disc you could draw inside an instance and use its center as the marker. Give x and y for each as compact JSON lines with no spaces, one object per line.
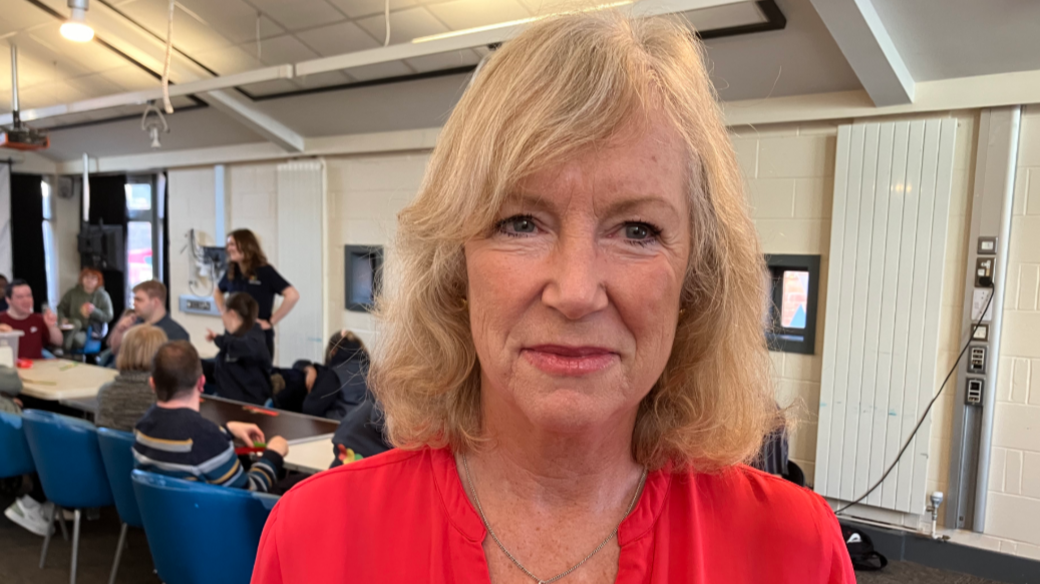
{"x":30,"y":345}
{"x":404,"y":517}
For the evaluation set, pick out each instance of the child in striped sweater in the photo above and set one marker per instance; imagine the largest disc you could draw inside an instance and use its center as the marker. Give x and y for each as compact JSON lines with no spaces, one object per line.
{"x":175,"y":440}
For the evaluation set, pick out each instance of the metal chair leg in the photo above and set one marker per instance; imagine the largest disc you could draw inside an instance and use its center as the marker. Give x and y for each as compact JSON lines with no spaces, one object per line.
{"x":119,"y":553}
{"x":61,"y":521}
{"x":50,"y":532}
{"x":75,"y":547}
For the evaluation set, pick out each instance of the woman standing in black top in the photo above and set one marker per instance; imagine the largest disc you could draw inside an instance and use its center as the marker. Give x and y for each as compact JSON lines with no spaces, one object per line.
{"x":249,"y":272}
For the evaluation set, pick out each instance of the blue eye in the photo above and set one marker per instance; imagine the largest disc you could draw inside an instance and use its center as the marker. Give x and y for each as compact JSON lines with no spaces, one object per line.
{"x":522,"y":225}
{"x":638,"y":231}
{"x":517,"y":225}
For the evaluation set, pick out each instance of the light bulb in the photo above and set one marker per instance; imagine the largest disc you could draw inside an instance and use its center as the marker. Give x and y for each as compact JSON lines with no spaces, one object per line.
{"x":75,"y":28}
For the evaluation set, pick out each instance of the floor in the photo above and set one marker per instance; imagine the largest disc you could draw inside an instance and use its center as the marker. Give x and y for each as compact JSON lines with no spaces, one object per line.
{"x":20,"y":556}
{"x":20,"y":553}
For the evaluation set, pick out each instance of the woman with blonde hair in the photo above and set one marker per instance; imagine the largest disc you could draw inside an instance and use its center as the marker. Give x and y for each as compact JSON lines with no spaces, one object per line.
{"x":572,"y":361}
{"x":125,"y":399}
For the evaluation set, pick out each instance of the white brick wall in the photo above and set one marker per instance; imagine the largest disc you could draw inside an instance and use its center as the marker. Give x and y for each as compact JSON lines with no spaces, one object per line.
{"x":1013,"y":510}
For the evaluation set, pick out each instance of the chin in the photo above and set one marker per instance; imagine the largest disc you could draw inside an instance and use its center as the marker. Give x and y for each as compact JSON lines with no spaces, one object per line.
{"x":571,"y":410}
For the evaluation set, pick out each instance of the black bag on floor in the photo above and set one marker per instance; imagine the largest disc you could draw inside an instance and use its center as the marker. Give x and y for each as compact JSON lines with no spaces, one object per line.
{"x":861,"y":550}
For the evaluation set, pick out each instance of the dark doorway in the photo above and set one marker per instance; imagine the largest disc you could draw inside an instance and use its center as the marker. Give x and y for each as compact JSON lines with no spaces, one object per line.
{"x":28,"y":260}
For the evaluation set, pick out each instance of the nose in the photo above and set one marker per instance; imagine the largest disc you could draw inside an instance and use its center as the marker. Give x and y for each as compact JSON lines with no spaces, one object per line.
{"x":576,"y":286}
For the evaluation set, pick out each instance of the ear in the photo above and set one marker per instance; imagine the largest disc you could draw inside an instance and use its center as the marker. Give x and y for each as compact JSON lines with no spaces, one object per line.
{"x":201,"y":384}
{"x":151,"y":383}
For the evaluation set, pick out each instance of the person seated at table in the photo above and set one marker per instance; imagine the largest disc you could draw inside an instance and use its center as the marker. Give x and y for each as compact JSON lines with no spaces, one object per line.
{"x":150,"y":308}
{"x":125,"y":400}
{"x":362,"y":433}
{"x":330,"y":390}
{"x":174,"y":439}
{"x":87,"y":304}
{"x":39,"y":330}
{"x":243,"y":365}
{"x":3,"y":292}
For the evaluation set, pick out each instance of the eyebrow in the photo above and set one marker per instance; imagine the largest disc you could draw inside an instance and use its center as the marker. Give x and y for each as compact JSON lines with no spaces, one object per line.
{"x":538,"y":203}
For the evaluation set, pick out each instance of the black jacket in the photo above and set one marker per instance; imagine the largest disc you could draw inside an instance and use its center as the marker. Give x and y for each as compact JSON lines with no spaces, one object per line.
{"x":363,"y":431}
{"x":243,"y":366}
{"x":338,"y":388}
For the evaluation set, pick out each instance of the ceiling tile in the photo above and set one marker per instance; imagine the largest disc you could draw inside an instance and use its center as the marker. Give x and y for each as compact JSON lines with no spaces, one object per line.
{"x":234,"y":19}
{"x":404,"y":25}
{"x":283,"y":49}
{"x":463,"y":14}
{"x":345,"y":37}
{"x":231,"y":60}
{"x":359,"y":8}
{"x":95,"y":85}
{"x":299,"y":14}
{"x":380,"y":71}
{"x":189,"y":35}
{"x":539,"y":7}
{"x":444,"y":61}
{"x":22,"y":15}
{"x":92,"y":56}
{"x":726,"y":16}
{"x":130,"y":78}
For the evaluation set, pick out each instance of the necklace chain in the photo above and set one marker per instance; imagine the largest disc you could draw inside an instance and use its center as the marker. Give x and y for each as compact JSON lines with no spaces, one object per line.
{"x":480,"y":510}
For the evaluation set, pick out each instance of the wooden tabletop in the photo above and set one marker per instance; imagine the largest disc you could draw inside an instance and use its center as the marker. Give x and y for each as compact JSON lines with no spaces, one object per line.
{"x":289,"y":425}
{"x":311,"y":457}
{"x":58,"y":379}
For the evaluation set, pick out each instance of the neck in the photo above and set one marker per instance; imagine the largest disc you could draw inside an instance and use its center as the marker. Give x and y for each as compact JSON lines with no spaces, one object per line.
{"x":592,"y":466}
{"x":158,"y":315}
{"x":190,"y":401}
{"x":17,"y":314}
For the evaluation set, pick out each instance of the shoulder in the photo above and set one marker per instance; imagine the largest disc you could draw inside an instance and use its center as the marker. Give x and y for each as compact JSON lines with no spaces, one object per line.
{"x":386,"y":482}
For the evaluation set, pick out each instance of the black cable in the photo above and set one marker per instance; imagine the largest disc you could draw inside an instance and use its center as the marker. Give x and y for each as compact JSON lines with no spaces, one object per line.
{"x":927,"y":409}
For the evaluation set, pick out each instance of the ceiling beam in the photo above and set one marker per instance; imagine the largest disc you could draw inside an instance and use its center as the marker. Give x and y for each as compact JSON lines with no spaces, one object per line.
{"x":150,"y":51}
{"x":863,"y":39}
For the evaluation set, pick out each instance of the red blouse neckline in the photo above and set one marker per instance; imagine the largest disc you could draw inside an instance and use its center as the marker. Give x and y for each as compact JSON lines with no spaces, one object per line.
{"x":463,"y":516}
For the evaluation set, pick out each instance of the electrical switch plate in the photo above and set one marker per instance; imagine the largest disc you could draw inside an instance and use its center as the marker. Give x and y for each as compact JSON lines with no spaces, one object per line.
{"x":987,"y":246}
{"x":981,"y":333}
{"x":973,"y":396}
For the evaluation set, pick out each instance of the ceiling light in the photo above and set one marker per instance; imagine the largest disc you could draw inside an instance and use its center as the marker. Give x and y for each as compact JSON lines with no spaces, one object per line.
{"x":76,"y":28}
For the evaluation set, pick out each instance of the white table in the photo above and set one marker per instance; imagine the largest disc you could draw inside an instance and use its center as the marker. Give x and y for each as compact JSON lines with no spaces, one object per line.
{"x":310,"y":455}
{"x":58,"y":379}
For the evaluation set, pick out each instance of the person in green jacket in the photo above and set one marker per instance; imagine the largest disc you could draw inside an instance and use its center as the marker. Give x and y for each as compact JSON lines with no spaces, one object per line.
{"x":86,"y":304}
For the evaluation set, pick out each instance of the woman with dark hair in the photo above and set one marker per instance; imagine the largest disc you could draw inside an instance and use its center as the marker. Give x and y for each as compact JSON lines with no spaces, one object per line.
{"x":330,"y":390}
{"x":243,"y":367}
{"x":85,"y":305}
{"x":249,"y":272}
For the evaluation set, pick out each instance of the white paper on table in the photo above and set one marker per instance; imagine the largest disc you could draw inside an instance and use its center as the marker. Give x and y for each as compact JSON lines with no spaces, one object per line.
{"x":6,"y":356}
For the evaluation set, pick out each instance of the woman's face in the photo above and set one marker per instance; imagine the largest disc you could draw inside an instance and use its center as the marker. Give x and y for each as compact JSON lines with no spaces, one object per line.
{"x":574,"y":295}
{"x":90,"y":283}
{"x":233,"y":253}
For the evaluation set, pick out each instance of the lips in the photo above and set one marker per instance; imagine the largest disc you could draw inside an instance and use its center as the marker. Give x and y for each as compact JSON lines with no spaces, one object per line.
{"x":570,"y":361}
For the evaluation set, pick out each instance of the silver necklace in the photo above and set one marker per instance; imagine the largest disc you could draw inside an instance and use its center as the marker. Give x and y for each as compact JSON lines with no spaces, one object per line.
{"x":476,"y":500}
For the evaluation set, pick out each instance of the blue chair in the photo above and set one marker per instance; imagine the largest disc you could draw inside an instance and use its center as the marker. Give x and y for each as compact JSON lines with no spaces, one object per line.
{"x":200,"y":533}
{"x":95,"y":338}
{"x":71,"y":470}
{"x":15,"y":457}
{"x":117,"y":452}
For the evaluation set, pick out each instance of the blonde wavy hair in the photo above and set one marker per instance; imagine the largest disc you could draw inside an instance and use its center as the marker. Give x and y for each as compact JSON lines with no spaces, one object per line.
{"x":139,"y":346}
{"x":564,"y":85}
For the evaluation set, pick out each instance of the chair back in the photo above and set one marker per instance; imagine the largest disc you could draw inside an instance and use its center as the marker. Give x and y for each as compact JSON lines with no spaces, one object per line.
{"x":200,"y":533}
{"x":15,"y":457}
{"x":117,"y":452}
{"x":67,"y":459}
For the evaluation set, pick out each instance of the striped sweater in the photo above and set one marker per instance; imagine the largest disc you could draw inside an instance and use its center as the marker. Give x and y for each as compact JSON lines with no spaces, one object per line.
{"x":181,"y":443}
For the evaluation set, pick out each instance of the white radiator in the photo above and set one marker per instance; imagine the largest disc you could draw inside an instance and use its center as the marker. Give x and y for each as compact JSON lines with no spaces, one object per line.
{"x":884,"y":293}
{"x":301,"y":258}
